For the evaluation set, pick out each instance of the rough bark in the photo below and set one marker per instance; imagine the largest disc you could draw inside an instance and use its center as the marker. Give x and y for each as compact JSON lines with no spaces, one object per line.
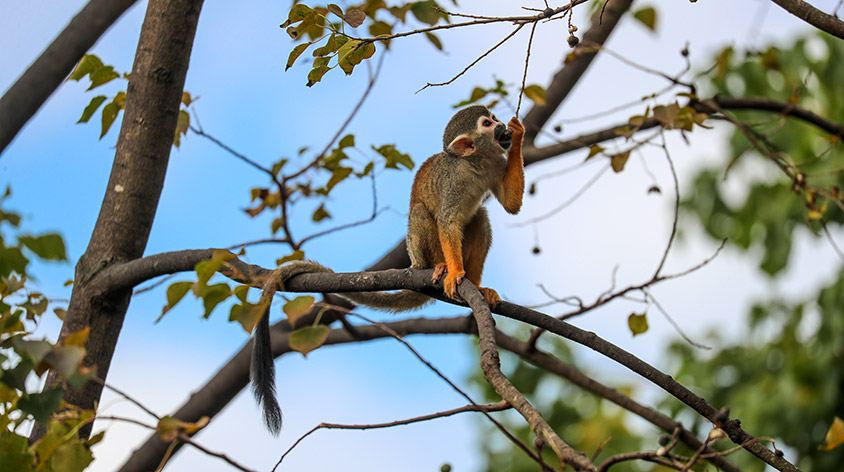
{"x":134,"y":187}
{"x":44,"y":76}
{"x":806,"y":12}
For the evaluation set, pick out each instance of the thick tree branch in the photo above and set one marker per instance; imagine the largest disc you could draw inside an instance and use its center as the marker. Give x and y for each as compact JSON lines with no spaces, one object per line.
{"x":44,"y":76}
{"x":567,"y":77}
{"x":234,"y":376}
{"x":783,"y":108}
{"x":806,"y":12}
{"x":420,"y":280}
{"x":134,"y":186}
{"x":491,"y":368}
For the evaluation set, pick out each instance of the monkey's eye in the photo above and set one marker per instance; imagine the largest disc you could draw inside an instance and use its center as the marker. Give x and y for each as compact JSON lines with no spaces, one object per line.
{"x":487,"y":123}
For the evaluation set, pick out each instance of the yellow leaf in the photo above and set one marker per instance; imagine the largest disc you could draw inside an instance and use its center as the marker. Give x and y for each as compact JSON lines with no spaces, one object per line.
{"x":618,"y":161}
{"x":536,"y":93}
{"x":834,"y":435}
{"x":307,"y":339}
{"x":77,"y":338}
{"x":638,"y":323}
{"x":298,"y":307}
{"x":170,"y":428}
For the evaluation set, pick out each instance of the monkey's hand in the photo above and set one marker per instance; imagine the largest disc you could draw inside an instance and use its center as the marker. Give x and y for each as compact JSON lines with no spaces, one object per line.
{"x":518,"y":129}
{"x":452,"y":280}
{"x":490,"y":295}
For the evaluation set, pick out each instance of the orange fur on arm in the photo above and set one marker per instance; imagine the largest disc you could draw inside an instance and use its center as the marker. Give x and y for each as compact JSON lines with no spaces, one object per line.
{"x":513,"y":184}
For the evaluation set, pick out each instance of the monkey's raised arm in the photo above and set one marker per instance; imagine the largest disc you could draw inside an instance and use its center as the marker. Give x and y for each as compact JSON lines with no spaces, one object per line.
{"x":512,"y":186}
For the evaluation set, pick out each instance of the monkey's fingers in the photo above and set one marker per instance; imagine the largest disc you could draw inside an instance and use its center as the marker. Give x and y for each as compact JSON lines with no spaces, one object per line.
{"x":450,"y":284}
{"x":515,"y":125}
{"x":439,"y":270}
{"x":490,"y":295}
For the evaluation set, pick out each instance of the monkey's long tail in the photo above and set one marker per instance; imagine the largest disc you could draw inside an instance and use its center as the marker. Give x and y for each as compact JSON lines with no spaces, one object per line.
{"x":262,"y":367}
{"x":262,"y":374}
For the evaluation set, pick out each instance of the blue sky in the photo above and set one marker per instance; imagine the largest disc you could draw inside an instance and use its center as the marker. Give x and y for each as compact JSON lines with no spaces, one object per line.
{"x":58,"y":171}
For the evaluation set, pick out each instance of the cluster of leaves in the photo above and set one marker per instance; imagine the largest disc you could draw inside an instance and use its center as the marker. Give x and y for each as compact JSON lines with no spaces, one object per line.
{"x":585,"y":421}
{"x":786,"y":383}
{"x":806,"y":74}
{"x":242,"y":311}
{"x":325,"y":28}
{"x":330,"y":170}
{"x":22,"y":358}
{"x":100,"y":74}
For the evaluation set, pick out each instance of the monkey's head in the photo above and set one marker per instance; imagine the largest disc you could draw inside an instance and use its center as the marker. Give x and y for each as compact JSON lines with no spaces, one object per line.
{"x":476,"y":130}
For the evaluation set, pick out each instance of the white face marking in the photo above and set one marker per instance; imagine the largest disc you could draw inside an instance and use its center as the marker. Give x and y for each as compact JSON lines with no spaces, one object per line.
{"x":487,"y":124}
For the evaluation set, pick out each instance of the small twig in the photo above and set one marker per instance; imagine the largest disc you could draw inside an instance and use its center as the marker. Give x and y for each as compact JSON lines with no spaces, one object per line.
{"x":153,"y":285}
{"x":649,"y":296}
{"x":126,"y":396}
{"x":472,"y":64}
{"x":676,"y":207}
{"x":524,"y":75}
{"x":831,"y":239}
{"x":374,"y":214}
{"x":488,"y":408}
{"x":183,"y":438}
{"x":579,"y":193}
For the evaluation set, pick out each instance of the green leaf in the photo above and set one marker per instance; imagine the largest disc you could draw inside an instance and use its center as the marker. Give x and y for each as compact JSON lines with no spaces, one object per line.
{"x":14,"y":453}
{"x":295,"y":53}
{"x":247,"y":315}
{"x":92,"y":107}
{"x":110,"y":112}
{"x":213,"y":296}
{"x":393,"y":156}
{"x":618,"y":161}
{"x":340,"y":174}
{"x":536,"y":93}
{"x":320,"y":214}
{"x":48,"y":246}
{"x":297,"y":13}
{"x":353,"y":53}
{"x":638,"y":323}
{"x":347,"y":141}
{"x":101,"y":76}
{"x":72,"y":456}
{"x":647,"y":17}
{"x":425,"y":11}
{"x":380,"y":28}
{"x":41,"y":405}
{"x":307,"y":339}
{"x":433,"y":39}
{"x":175,"y":293}
{"x":315,"y":75}
{"x":477,"y":94}
{"x":187,"y":99}
{"x":88,"y":64}
{"x":297,"y":308}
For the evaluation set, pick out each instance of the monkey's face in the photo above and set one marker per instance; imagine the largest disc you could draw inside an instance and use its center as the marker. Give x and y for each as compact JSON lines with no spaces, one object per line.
{"x":476,"y":130}
{"x":495,"y":130}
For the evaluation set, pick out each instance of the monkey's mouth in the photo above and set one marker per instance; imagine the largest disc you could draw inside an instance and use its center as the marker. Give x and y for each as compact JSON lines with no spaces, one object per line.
{"x":504,"y":139}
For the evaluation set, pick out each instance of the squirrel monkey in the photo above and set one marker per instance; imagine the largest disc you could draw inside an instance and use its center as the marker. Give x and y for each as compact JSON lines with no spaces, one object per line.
{"x":448,"y":228}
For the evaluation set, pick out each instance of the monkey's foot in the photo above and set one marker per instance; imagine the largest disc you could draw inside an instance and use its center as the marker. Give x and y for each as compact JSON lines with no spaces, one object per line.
{"x":490,"y":295}
{"x":439,"y":270}
{"x":452,"y":280}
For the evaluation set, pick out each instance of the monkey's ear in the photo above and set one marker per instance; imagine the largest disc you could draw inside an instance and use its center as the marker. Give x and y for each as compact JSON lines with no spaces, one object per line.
{"x":462,"y":145}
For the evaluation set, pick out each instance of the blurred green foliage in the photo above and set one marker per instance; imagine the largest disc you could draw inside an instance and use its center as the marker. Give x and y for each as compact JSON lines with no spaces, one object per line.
{"x":781,"y":375}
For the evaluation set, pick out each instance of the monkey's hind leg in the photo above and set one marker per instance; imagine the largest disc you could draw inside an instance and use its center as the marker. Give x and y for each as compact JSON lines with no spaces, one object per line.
{"x":422,"y":243}
{"x":477,"y":238}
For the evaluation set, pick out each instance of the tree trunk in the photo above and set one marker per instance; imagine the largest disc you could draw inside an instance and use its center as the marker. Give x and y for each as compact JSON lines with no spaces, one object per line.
{"x":45,"y":75}
{"x":134,"y":187}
